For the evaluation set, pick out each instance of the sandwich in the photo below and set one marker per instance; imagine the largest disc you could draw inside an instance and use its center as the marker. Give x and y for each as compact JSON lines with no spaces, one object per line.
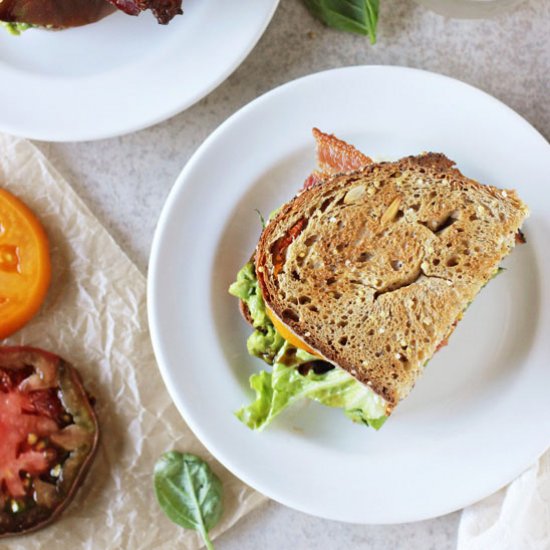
{"x":19,"y":15}
{"x":362,"y":277}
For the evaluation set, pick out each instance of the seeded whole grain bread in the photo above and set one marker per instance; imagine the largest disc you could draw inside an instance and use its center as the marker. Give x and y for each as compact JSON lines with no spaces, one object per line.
{"x":372,"y":269}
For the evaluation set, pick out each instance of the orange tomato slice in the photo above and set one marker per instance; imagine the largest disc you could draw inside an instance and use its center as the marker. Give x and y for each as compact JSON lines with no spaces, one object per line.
{"x":25,"y":268}
{"x":285,"y":332}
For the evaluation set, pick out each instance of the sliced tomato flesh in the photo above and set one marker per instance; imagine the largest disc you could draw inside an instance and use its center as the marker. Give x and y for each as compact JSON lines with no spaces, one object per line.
{"x":280,"y":246}
{"x":287,"y":334}
{"x":48,"y":436}
{"x":25,"y":267}
{"x":16,"y":426}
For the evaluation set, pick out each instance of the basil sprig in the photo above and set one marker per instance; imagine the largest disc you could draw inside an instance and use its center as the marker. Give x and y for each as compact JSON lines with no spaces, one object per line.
{"x":358,"y":16}
{"x":189,"y":493}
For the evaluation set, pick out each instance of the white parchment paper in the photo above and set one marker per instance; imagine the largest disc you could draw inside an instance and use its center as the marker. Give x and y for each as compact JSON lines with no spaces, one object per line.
{"x":95,"y":317}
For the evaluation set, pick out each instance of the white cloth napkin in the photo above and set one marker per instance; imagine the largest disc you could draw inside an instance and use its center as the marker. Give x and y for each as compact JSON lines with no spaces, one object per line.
{"x":515,"y":518}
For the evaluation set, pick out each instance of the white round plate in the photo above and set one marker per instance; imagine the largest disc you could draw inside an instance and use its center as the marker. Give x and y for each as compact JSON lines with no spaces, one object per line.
{"x":123,"y":73}
{"x":478,"y":416}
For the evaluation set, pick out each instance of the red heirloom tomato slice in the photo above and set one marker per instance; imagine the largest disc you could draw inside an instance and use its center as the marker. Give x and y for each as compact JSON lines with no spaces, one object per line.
{"x":48,"y":437}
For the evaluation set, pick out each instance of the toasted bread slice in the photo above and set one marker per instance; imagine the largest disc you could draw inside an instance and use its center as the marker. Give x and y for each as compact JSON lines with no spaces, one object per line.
{"x":334,"y":156}
{"x":372,"y":269}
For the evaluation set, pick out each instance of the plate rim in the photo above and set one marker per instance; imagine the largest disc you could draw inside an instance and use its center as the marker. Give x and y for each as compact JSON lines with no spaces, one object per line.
{"x":117,"y":130}
{"x":182,"y":183}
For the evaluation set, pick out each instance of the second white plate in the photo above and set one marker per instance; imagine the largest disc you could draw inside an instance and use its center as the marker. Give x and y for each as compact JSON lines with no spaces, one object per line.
{"x":477,"y":417}
{"x":123,"y":73}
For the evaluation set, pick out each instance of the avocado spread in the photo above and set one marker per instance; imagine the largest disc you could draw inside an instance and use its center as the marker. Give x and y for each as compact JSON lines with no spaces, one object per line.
{"x":265,"y":342}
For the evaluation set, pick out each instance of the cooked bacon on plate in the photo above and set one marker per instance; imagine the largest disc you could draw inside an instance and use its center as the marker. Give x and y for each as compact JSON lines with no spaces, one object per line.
{"x":334,"y":156}
{"x":164,"y":10}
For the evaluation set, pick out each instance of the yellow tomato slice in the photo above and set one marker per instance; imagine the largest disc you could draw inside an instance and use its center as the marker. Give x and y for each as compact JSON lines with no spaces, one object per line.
{"x":285,"y":332}
{"x":24,"y":264}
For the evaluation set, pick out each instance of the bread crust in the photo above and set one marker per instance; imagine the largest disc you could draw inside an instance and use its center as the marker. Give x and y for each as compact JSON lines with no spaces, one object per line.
{"x":372,"y":268}
{"x":245,"y":312}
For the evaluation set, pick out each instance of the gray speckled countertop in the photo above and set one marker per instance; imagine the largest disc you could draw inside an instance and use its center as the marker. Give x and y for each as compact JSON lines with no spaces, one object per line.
{"x":126,"y":180}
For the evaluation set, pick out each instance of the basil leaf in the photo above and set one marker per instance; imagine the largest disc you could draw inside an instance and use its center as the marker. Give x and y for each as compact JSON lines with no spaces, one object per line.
{"x":189,"y":493}
{"x":358,"y":16}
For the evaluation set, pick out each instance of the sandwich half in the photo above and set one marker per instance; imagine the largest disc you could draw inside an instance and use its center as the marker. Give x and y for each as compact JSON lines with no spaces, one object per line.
{"x":359,"y":279}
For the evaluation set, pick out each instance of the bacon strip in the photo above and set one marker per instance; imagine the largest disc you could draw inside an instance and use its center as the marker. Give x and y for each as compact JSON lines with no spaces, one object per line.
{"x":334,"y":156}
{"x":313,"y":179}
{"x":520,"y":237}
{"x":164,"y":10}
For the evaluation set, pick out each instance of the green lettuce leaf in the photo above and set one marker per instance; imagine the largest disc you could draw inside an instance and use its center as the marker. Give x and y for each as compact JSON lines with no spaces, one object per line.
{"x":16,"y":28}
{"x":278,"y":390}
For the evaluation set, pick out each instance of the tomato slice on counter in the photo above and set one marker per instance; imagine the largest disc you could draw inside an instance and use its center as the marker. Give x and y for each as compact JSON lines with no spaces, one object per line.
{"x":24,"y":264}
{"x":48,"y":437}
